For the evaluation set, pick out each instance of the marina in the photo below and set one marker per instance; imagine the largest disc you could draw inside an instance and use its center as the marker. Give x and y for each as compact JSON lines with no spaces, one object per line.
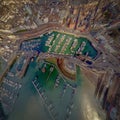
{"x":59,"y":60}
{"x":40,"y":84}
{"x":42,"y":81}
{"x":55,"y":42}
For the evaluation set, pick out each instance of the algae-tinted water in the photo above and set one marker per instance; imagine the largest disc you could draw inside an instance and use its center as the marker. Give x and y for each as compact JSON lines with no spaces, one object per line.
{"x":55,"y":46}
{"x":29,"y":105}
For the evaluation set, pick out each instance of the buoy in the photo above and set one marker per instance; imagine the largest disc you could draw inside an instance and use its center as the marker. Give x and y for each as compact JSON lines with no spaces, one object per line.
{"x":43,"y":70}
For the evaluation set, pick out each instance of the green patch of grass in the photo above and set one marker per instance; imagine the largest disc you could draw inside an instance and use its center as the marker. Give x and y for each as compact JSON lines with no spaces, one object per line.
{"x":19,"y":31}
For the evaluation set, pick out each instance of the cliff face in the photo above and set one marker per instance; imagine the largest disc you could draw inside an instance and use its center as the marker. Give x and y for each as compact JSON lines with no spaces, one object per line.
{"x":102,"y":82}
{"x":114,"y":94}
{"x":117,"y":98}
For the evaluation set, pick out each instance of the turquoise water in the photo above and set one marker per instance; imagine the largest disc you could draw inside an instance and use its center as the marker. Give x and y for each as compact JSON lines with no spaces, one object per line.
{"x":55,"y":42}
{"x":40,"y":98}
{"x":30,"y":106}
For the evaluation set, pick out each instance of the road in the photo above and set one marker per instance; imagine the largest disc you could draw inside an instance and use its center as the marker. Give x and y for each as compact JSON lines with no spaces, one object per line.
{"x":111,"y":61}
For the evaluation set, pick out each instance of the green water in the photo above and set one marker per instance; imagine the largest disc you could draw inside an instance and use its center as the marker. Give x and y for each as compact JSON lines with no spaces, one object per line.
{"x":29,"y":105}
{"x":47,"y":79}
{"x":88,"y":48}
{"x":92,"y":52}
